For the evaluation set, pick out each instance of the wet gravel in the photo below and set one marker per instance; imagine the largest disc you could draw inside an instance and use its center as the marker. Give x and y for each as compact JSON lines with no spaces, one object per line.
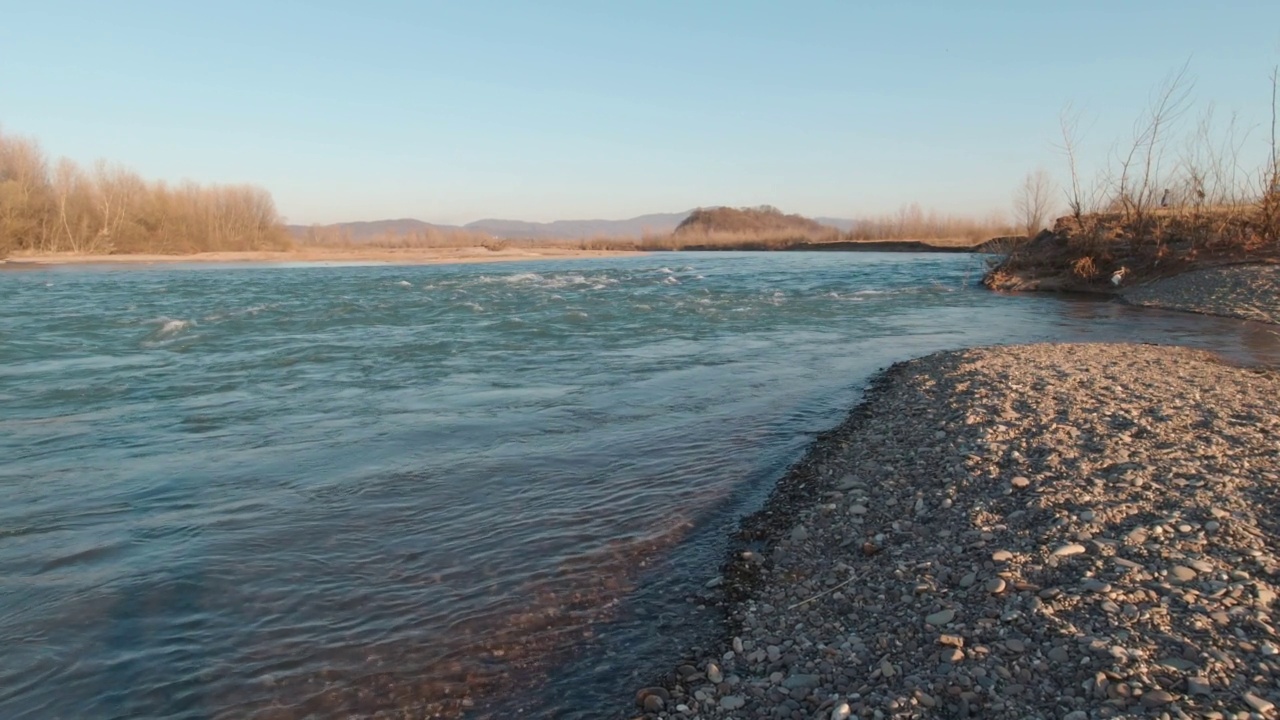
{"x":1250,"y":292}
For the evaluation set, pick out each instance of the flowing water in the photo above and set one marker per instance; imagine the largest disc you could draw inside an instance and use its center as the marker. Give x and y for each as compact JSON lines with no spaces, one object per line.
{"x":326,"y":491}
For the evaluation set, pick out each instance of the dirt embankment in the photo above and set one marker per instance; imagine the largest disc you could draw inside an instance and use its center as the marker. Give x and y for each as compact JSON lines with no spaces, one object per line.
{"x":1216,"y":262}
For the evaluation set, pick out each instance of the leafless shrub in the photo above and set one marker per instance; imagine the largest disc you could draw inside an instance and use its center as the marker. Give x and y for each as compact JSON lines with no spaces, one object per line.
{"x":1203,"y":199}
{"x":1269,"y":206}
{"x":1032,"y":202}
{"x":1140,"y":168}
{"x":1085,"y":268}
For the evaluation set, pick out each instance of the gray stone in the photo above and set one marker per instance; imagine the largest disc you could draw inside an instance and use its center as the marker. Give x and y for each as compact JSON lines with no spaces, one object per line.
{"x":802,"y":682}
{"x":1199,"y":686}
{"x":995,"y":586}
{"x":942,"y":617}
{"x":732,"y":702}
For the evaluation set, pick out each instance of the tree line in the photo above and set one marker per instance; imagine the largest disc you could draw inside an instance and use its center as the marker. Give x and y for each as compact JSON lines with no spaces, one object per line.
{"x":58,"y":206}
{"x":1179,"y":176}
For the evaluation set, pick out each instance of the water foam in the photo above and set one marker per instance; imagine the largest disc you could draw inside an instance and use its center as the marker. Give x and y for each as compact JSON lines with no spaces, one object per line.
{"x":170,"y":326}
{"x":521,"y":277}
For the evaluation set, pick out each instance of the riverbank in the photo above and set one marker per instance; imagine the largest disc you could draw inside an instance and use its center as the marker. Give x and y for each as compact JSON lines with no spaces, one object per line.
{"x":1052,"y":531}
{"x":405,"y":256}
{"x":1108,"y":253}
{"x":1248,"y":292}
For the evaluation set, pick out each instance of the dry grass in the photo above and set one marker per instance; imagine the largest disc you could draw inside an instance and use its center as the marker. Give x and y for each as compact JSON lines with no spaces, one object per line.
{"x":429,"y":239}
{"x":1084,"y":268}
{"x":1081,"y":253}
{"x":1155,"y":212}
{"x":914,"y":223}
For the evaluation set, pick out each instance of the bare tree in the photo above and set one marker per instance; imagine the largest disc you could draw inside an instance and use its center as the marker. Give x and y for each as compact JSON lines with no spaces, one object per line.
{"x":112,"y":209}
{"x":1032,"y":201}
{"x":1270,"y":205}
{"x":1083,"y":196}
{"x":24,"y":193}
{"x":1138,"y":184}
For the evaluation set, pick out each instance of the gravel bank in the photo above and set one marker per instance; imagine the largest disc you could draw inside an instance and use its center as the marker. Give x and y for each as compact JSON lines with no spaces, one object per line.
{"x":1251,"y":292}
{"x":1044,"y":531}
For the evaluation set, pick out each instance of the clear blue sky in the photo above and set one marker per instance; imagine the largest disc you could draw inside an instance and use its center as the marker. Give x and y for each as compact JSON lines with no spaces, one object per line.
{"x":452,"y":111}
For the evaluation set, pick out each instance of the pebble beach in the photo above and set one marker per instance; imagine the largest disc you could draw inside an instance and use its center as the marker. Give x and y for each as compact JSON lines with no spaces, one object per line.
{"x":1249,"y":292}
{"x":1042,"y":531}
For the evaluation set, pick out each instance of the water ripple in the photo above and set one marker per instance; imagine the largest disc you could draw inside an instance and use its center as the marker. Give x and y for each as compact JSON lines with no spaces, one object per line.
{"x":316,"y":491}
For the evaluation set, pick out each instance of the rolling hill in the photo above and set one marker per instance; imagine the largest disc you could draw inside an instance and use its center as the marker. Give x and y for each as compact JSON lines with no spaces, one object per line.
{"x":636,"y":227}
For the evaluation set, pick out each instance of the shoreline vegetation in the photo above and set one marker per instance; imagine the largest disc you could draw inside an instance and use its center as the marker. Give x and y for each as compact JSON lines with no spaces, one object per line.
{"x":1175,"y":197}
{"x":55,"y":211}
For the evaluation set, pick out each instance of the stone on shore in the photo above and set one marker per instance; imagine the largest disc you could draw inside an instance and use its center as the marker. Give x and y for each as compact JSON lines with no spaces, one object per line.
{"x":1134,"y":576}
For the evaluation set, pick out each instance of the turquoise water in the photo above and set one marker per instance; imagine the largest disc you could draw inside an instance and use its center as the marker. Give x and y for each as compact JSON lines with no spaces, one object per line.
{"x":318,"y":491}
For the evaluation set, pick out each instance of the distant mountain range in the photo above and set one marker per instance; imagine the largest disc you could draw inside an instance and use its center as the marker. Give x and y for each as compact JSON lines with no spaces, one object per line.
{"x":654,"y":224}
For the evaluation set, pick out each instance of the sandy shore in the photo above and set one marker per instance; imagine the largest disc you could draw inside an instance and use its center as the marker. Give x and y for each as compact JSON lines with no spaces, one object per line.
{"x":1250,"y":292}
{"x":1044,"y":531}
{"x":407,"y":256}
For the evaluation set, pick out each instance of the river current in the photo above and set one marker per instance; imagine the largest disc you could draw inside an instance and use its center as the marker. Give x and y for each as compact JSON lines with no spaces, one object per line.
{"x":352,"y":490}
